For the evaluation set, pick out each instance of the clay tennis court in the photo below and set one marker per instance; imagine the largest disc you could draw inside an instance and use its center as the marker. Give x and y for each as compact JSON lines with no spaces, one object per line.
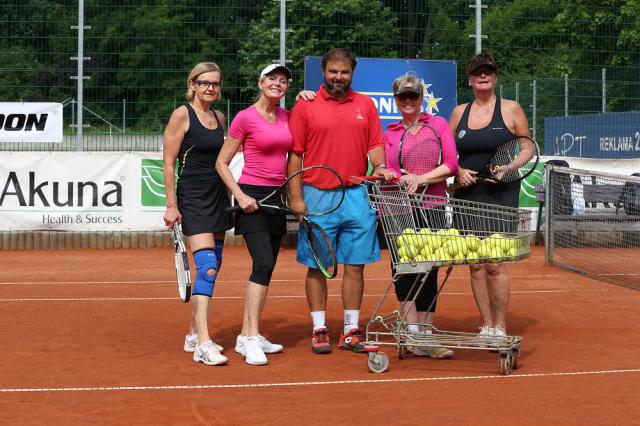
{"x":95,"y":337}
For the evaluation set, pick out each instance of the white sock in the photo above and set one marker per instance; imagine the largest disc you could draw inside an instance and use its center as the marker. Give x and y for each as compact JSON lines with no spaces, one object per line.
{"x":351,"y":318}
{"x":318,"y":318}
{"x":414,"y":328}
{"x":193,"y":337}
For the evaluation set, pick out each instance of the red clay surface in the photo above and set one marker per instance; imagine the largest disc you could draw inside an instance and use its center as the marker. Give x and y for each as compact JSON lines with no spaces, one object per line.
{"x":109,"y":319}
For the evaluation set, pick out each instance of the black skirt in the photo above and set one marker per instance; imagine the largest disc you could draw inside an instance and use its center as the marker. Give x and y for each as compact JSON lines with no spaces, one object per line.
{"x":264,"y":219}
{"x":202,"y":202}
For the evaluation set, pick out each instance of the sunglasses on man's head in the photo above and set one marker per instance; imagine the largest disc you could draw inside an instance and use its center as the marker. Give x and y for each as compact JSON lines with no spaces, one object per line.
{"x":408,"y":96}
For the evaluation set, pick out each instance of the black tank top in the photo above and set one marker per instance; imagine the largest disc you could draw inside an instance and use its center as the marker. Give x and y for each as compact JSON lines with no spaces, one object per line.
{"x":474,"y":151}
{"x":200,"y":148}
{"x":475,"y":146}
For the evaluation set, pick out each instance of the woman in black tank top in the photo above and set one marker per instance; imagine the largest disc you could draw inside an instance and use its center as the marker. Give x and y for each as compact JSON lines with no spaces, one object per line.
{"x":193,"y":138}
{"x":479,"y":127}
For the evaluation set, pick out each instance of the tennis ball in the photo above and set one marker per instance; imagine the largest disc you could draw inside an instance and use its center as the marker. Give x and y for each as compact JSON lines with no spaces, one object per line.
{"x":484,"y":251}
{"x":496,"y":254}
{"x":473,"y":242}
{"x":420,"y":258}
{"x":408,"y":231}
{"x":454,"y":232}
{"x":512,"y":253}
{"x":459,"y":259}
{"x":433,"y":241}
{"x":426,"y":251}
{"x":472,"y":257}
{"x":426,"y":231}
{"x":408,"y":251}
{"x":451,"y":248}
{"x":404,"y":260}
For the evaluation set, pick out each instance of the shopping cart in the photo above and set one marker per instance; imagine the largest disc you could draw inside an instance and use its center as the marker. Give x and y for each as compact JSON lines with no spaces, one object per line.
{"x":424,"y":232}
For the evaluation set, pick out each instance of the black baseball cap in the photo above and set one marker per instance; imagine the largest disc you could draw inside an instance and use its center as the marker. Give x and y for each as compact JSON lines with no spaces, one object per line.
{"x":408,"y":88}
{"x":481,"y":60}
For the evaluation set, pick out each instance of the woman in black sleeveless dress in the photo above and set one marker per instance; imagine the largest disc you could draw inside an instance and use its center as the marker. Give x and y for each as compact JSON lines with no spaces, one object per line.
{"x":479,"y":127}
{"x":194,"y":137}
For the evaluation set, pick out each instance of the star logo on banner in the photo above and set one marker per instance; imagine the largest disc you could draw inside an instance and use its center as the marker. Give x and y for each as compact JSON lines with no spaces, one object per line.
{"x":429,"y":98}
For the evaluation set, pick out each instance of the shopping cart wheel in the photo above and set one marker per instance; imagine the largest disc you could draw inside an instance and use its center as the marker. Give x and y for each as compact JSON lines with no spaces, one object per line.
{"x":515,"y":359}
{"x":378,"y":362}
{"x":504,"y":363}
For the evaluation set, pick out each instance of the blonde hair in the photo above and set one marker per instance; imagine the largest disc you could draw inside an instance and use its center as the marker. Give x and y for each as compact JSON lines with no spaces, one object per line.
{"x":199,"y":69}
{"x":406,"y":80}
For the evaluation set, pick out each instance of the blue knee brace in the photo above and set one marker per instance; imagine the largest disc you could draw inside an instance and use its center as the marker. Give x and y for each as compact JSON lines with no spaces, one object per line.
{"x":206,"y":261}
{"x":219,"y":247}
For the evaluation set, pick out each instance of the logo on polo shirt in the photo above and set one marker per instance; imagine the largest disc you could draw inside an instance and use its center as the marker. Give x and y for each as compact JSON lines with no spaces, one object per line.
{"x":359,"y":115}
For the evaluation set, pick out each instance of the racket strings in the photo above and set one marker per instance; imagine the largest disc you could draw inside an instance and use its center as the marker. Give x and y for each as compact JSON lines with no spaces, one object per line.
{"x":322,"y":250}
{"x":517,"y":153}
{"x":323,"y":191}
{"x":420,"y":150}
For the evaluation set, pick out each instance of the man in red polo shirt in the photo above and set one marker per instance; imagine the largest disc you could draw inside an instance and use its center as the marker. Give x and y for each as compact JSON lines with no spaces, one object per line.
{"x":340,"y":129}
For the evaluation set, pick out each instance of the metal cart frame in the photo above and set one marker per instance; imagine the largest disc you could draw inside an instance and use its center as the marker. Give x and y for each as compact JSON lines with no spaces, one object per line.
{"x":401,"y":215}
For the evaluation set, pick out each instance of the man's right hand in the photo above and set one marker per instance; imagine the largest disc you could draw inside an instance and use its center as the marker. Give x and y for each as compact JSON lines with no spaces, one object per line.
{"x":298,"y":205}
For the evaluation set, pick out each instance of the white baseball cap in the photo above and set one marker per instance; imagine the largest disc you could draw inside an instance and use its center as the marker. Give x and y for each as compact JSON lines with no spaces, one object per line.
{"x":275,"y":67}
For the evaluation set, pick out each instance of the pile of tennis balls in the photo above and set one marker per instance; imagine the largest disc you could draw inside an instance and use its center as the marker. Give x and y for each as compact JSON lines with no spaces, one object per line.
{"x":448,"y":247}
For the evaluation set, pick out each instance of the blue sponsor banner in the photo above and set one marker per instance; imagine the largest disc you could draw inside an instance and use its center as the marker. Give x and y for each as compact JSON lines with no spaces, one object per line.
{"x":374,"y":77}
{"x":608,"y":135}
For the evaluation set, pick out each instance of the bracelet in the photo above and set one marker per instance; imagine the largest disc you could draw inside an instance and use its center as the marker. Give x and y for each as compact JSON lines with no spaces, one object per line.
{"x":383,"y":165}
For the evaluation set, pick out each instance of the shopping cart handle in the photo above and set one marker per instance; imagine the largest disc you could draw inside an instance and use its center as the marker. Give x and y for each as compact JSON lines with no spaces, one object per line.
{"x":362,"y":179}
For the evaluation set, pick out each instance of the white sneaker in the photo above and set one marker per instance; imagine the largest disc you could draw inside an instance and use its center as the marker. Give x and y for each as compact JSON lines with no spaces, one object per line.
{"x":208,"y":354}
{"x":191,"y":340}
{"x":254,"y":355}
{"x":499,"y":332}
{"x":266,"y":346}
{"x":486,"y":332}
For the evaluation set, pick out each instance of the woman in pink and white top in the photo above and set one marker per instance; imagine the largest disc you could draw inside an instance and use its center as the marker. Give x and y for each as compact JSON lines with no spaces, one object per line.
{"x":263,"y":131}
{"x":408,"y":93}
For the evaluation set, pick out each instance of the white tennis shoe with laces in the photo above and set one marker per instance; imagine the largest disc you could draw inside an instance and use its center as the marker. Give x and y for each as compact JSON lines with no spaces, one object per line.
{"x":208,"y":354}
{"x":266,"y":346}
{"x":191,"y":341}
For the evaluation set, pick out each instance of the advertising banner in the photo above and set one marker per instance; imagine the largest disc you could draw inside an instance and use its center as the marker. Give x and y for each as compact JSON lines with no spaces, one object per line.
{"x":608,"y":135}
{"x":30,"y":122}
{"x":88,"y":191}
{"x":374,"y":77}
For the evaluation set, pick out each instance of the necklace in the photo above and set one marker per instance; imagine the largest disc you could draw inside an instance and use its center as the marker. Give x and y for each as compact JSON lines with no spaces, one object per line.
{"x":208,"y":117}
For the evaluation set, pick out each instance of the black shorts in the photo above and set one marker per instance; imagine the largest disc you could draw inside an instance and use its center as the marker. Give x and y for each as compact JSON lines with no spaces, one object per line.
{"x":265,"y":219}
{"x":202,"y":202}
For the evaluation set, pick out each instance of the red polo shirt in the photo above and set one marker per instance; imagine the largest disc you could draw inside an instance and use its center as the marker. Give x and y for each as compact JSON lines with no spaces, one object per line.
{"x":336,"y":133}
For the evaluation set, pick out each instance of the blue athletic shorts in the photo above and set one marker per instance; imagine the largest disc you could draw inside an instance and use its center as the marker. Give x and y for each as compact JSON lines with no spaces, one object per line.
{"x":351,"y":229}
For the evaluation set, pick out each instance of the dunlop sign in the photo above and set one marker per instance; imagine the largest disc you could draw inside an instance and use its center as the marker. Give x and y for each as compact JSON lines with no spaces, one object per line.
{"x":30,"y":122}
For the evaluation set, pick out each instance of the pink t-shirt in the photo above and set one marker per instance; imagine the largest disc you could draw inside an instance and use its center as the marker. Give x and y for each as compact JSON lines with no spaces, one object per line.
{"x":265,"y":146}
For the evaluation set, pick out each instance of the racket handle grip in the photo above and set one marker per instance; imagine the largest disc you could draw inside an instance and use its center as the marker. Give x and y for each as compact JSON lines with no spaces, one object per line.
{"x":361,"y":179}
{"x":453,"y":187}
{"x":232,"y":209}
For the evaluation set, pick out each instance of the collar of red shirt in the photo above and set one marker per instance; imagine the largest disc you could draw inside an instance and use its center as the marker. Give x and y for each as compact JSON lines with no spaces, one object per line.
{"x":351,"y":94}
{"x":424,"y":118}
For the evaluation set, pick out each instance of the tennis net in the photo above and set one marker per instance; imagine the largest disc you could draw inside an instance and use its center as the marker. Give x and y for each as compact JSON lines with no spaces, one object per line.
{"x":592,"y":224}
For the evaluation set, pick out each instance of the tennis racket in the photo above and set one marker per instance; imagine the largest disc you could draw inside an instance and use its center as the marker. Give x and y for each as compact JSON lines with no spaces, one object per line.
{"x":321,"y":248}
{"x":182,"y":264}
{"x":509,"y":163}
{"x":322,"y":188}
{"x":420,"y":149}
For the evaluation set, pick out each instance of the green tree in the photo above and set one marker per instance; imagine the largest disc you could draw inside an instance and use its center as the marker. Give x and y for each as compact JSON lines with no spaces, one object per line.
{"x":365,"y":27}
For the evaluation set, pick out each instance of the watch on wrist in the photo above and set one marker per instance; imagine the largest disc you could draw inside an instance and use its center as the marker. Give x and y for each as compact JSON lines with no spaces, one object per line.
{"x":383,"y":165}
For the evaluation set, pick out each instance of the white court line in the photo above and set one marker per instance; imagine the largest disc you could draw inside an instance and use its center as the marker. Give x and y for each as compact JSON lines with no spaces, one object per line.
{"x":301,"y":279}
{"x":137,"y":299}
{"x":317,"y":383}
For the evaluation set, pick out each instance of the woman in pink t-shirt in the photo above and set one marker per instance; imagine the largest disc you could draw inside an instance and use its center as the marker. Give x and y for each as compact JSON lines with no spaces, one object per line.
{"x":408,"y":93}
{"x":263,"y":132}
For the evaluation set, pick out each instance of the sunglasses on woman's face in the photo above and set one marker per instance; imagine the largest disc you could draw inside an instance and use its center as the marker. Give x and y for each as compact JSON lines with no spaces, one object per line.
{"x":408,"y":96}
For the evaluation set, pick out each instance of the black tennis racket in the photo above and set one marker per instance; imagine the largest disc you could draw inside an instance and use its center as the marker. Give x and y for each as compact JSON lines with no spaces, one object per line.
{"x":509,"y":163}
{"x":182,"y":264}
{"x":321,"y":248}
{"x":322,"y":188}
{"x":420,"y":149}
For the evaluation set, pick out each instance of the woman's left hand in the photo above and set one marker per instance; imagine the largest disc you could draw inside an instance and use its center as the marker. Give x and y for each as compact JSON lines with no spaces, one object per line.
{"x":411,"y":182}
{"x":307,"y":95}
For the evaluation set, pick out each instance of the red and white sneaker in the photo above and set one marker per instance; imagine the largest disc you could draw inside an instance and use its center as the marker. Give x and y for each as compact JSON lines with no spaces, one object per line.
{"x":320,"y":341}
{"x":352,"y":341}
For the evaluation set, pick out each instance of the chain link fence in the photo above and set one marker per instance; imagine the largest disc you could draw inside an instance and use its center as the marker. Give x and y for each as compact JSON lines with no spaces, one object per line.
{"x":140,"y":53}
